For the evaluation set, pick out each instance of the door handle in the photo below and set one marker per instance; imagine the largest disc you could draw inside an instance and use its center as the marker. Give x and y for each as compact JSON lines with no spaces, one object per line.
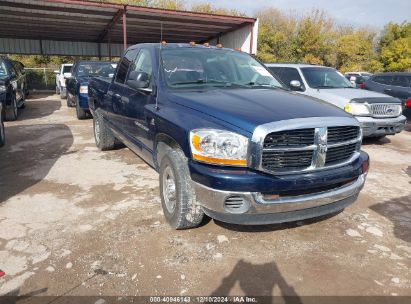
{"x":116,"y":96}
{"x":388,"y":90}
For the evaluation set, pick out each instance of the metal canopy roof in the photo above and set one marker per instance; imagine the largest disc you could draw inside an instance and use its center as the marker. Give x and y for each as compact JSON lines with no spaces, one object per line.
{"x":75,"y":20}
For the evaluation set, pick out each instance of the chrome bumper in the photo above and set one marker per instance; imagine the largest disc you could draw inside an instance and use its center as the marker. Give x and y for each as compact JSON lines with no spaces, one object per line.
{"x":255,"y":209}
{"x":372,"y":127}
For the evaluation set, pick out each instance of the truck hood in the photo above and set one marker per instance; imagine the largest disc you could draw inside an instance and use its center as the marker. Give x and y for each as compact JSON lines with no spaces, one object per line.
{"x":249,"y":108}
{"x":343,"y":96}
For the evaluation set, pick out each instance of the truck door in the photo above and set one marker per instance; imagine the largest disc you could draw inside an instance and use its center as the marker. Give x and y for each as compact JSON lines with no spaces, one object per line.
{"x":136,"y":118}
{"x":71,"y":83}
{"x":115,"y":91}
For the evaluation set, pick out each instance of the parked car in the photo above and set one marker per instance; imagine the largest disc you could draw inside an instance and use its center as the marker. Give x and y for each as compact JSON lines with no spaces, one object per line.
{"x":379,"y":114}
{"x":61,"y":75}
{"x":393,"y":84}
{"x":226,"y":138}
{"x":13,"y":87}
{"x":358,"y":78}
{"x":77,"y":83}
{"x":2,"y":131}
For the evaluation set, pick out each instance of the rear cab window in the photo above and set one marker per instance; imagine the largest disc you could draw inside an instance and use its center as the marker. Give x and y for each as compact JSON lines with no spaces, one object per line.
{"x":287,"y":74}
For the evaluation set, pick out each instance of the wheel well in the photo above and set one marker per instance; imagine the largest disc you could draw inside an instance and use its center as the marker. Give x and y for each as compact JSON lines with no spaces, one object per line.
{"x":163,"y":143}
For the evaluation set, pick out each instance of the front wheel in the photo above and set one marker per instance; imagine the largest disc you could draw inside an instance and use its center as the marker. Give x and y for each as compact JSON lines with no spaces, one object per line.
{"x":177,"y":193}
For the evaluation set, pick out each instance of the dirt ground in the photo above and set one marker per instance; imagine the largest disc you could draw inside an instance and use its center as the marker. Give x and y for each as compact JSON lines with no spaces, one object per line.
{"x":77,"y":221}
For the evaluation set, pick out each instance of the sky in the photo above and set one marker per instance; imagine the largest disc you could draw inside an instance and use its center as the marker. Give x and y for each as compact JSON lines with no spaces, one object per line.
{"x":373,"y":13}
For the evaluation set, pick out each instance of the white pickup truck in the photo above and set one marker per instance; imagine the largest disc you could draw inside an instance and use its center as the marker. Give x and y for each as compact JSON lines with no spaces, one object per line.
{"x":61,"y":75}
{"x":379,"y":114}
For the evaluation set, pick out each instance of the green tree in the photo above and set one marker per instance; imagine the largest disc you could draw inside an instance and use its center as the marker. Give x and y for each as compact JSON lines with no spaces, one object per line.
{"x":394,"y":47}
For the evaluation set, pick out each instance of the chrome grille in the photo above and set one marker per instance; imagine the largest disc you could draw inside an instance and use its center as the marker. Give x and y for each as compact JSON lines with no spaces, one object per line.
{"x":385,"y":110}
{"x":306,"y":149}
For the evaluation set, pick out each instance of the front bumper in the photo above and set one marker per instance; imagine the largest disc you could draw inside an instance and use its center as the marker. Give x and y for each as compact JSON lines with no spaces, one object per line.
{"x":255,"y":207}
{"x":373,"y":127}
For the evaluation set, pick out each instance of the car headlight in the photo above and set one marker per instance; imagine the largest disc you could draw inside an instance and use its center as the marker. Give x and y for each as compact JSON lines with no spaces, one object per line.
{"x":2,"y":88}
{"x":83,"y":89}
{"x":219,"y":147}
{"x":359,"y":109}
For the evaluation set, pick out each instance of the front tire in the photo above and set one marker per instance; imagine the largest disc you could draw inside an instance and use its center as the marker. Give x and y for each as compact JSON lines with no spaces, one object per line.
{"x":81,"y":113}
{"x":103,"y":136}
{"x":177,"y":193}
{"x":12,"y":112}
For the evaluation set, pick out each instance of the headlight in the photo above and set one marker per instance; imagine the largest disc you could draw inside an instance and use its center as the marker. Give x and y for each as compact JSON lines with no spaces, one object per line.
{"x":2,"y":88}
{"x":219,"y":147}
{"x":83,"y":89}
{"x":359,"y":109}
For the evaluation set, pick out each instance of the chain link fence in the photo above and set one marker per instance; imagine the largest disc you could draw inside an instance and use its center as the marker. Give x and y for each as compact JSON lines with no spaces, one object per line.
{"x":41,"y":78}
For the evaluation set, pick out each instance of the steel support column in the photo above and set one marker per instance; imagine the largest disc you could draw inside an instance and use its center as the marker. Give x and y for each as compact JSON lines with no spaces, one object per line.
{"x":125,"y":27}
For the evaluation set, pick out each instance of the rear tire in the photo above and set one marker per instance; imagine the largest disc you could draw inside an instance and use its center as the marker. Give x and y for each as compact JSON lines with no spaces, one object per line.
{"x":81,"y":113}
{"x":57,"y":90}
{"x":62,"y":95}
{"x":12,"y":112}
{"x":177,"y":193}
{"x":2,"y":131}
{"x":69,"y":102}
{"x":103,"y":136}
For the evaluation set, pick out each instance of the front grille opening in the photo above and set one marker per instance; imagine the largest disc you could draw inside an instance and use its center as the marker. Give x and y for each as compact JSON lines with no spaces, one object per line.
{"x":289,"y":138}
{"x":236,"y":204}
{"x":340,"y":154}
{"x":289,"y":194}
{"x":341,"y":134}
{"x":286,"y":160}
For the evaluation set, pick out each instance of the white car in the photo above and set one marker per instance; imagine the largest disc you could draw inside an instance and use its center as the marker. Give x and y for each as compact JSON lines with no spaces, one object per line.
{"x":379,"y":114}
{"x":61,"y":75}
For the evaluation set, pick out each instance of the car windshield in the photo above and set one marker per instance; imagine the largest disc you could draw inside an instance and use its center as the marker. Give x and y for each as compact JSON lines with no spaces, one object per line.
{"x":325,"y":78}
{"x":66,"y":68}
{"x":93,"y":69}
{"x":3,"y":69}
{"x":201,"y":67}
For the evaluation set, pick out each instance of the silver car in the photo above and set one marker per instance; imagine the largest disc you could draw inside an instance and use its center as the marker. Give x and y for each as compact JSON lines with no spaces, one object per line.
{"x":379,"y":114}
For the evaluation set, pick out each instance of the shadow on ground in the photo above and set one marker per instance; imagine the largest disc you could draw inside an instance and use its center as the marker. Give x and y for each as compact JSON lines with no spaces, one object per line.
{"x":398,"y":211}
{"x":275,"y":227}
{"x":29,"y":154}
{"x":375,"y":141}
{"x":39,"y":106}
{"x":257,"y":280}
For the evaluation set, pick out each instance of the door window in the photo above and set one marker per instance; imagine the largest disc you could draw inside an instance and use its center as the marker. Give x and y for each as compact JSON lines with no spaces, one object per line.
{"x":383,"y":79}
{"x":287,"y":75}
{"x":400,"y":81}
{"x":142,"y":63}
{"x":124,"y":65}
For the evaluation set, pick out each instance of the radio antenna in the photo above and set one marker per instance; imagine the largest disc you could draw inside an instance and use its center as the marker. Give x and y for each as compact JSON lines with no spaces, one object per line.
{"x":159,"y":64}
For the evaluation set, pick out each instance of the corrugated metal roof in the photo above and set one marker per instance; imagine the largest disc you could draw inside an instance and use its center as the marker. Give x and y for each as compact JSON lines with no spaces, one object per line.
{"x":93,"y":23}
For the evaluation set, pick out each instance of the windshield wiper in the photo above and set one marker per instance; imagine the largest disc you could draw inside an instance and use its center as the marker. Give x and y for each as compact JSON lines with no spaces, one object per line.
{"x":202,"y":81}
{"x":265,"y":85}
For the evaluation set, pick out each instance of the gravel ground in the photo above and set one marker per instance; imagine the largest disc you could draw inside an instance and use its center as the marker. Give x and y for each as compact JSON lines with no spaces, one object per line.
{"x":77,"y":221}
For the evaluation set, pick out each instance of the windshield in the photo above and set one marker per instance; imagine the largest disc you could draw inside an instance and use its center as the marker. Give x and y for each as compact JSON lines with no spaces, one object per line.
{"x":200,"y":67}
{"x":319,"y":78}
{"x":66,"y":68}
{"x":3,"y":69}
{"x":93,"y":69}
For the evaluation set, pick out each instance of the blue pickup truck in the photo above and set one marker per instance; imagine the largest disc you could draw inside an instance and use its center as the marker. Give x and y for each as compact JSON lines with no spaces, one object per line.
{"x":77,"y":83}
{"x":227,"y":139}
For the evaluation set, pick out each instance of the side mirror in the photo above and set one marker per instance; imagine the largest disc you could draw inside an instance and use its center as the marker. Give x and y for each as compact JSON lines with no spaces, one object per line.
{"x":139,"y":81}
{"x":295,"y":85}
{"x":56,"y":72}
